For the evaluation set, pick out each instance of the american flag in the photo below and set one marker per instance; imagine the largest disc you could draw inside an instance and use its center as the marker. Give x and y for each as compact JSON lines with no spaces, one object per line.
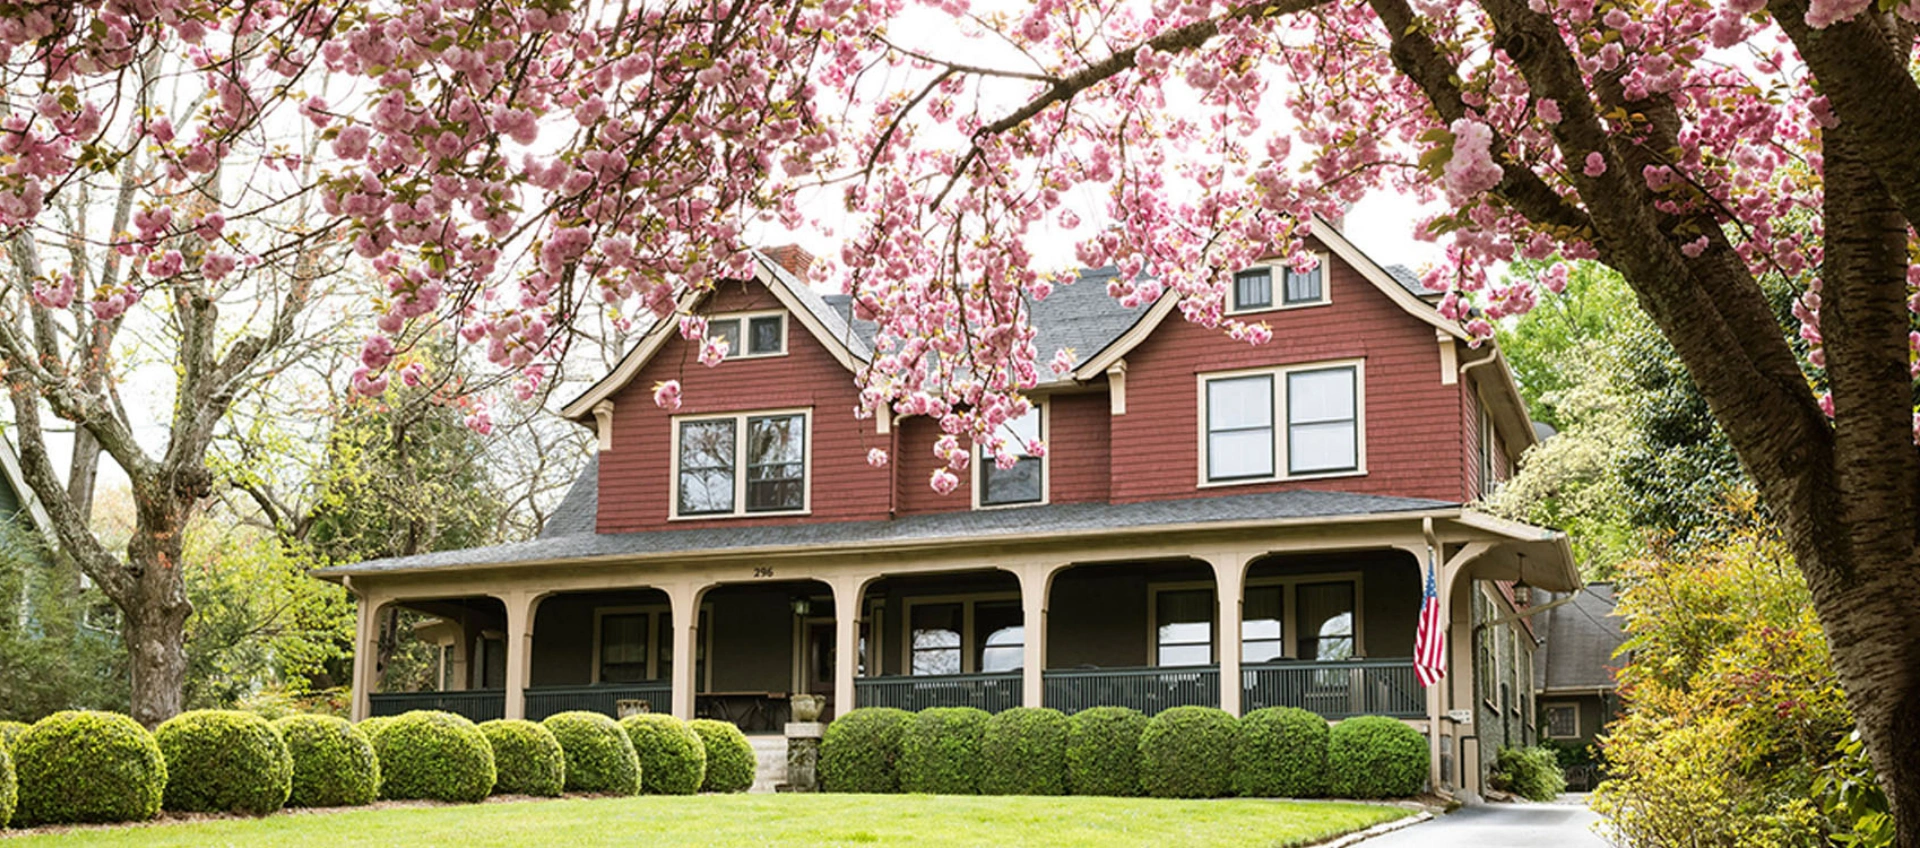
{"x":1429,"y":643}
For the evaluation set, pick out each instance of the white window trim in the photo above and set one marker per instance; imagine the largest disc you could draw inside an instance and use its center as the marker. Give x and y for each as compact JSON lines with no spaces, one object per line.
{"x":1281,"y":462}
{"x":745,"y":319}
{"x":981,"y":460}
{"x":1288,"y":622}
{"x":967,"y":646}
{"x":740,"y":463}
{"x":1550,"y":706}
{"x":1277,"y":273}
{"x":654,"y":612}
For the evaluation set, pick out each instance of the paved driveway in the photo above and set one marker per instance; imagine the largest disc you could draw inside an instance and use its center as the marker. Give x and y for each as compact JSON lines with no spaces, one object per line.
{"x":1566,"y":823}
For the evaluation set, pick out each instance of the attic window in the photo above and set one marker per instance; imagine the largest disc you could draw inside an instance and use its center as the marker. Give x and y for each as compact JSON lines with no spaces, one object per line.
{"x":765,"y":334}
{"x":1267,"y":287}
{"x":1253,"y":289}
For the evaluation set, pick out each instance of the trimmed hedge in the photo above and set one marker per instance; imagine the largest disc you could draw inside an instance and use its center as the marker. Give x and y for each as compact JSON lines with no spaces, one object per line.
{"x":1103,"y":751}
{"x":10,"y":733}
{"x":861,"y":750}
{"x":81,"y":766}
{"x":1185,"y":752}
{"x":940,"y":751}
{"x":9,"y":788}
{"x":730,"y":758}
{"x":599,"y":755}
{"x":333,"y":762}
{"x":527,"y":760}
{"x":673,"y":758}
{"x":224,"y":761}
{"x":434,"y":756}
{"x":1375,"y":757}
{"x":1280,"y":752}
{"x":371,"y":727}
{"x":1531,"y":773}
{"x":1025,"y":749}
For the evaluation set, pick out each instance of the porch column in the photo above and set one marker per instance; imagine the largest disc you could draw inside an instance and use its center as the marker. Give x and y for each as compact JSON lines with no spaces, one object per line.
{"x":520,"y":606}
{"x":685,"y":602}
{"x":1229,"y":578}
{"x":847,"y":593}
{"x":366,"y":655}
{"x":1034,"y":584}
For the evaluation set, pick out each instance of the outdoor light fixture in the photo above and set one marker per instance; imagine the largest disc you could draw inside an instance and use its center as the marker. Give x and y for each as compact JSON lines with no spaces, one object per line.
{"x":802,"y":605}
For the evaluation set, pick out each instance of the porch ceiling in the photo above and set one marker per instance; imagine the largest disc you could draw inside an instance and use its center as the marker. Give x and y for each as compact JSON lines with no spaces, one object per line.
{"x":1522,"y":552}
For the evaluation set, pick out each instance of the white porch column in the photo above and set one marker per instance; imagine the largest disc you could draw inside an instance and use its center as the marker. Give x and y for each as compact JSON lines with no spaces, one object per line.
{"x":366,"y":655}
{"x":520,"y":606}
{"x":685,"y":602}
{"x":1035,"y":581}
{"x":1229,"y":578}
{"x":847,"y":592}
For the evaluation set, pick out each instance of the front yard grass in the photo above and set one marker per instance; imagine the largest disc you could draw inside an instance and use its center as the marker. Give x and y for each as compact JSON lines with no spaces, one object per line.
{"x":809,"y":820}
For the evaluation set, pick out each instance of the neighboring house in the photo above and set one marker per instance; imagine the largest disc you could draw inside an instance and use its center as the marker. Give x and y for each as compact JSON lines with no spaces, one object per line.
{"x":1575,"y":670}
{"x":20,"y":507}
{"x":1207,"y":513}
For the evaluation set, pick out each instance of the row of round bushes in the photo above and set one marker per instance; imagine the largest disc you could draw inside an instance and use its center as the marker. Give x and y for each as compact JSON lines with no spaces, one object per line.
{"x":76,"y":766}
{"x":1184,"y":752}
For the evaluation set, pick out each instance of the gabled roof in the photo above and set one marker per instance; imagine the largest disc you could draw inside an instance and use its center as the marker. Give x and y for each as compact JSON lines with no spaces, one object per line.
{"x":1581,"y":638}
{"x":24,"y":494}
{"x":801,"y":300}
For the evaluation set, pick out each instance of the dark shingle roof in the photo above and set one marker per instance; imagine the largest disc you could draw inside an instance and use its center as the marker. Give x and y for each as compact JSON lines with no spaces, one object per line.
{"x":579,"y":511}
{"x":571,"y":536}
{"x":1581,"y":638}
{"x":1409,"y":280}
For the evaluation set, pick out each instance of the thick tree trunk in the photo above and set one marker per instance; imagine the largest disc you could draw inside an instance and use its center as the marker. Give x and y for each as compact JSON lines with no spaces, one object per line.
{"x":156,"y":620}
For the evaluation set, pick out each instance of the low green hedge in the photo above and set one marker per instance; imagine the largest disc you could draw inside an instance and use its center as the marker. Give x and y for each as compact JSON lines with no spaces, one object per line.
{"x":1375,"y":757}
{"x":861,"y":751}
{"x":333,"y":762}
{"x":940,"y":751}
{"x":600,"y":757}
{"x":673,"y":759}
{"x":224,"y":761}
{"x":527,"y":760}
{"x":1025,"y":749}
{"x":1103,"y":751}
{"x":1280,"y":752}
{"x":9,"y":787}
{"x":10,"y":731}
{"x":434,"y":756}
{"x":730,"y":758}
{"x":78,"y":766}
{"x":1186,"y":752}
{"x":1531,"y":773}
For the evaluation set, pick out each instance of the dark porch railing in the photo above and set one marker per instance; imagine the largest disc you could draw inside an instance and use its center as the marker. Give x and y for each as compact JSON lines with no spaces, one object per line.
{"x":543,"y":701}
{"x":475,"y":704}
{"x":1337,"y":689}
{"x":990,"y":692}
{"x":1148,"y":690}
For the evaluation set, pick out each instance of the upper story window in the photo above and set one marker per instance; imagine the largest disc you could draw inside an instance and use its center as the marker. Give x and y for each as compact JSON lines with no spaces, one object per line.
{"x":1265,"y":287}
{"x":741,"y":464}
{"x":1025,"y":482}
{"x":1296,"y":421}
{"x":750,"y":334}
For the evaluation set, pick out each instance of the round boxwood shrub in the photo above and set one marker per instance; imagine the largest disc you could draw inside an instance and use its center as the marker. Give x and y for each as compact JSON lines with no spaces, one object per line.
{"x":10,"y":732}
{"x":527,"y":760}
{"x":1103,"y":751}
{"x":861,"y":750}
{"x":1280,"y":752}
{"x":224,"y":761}
{"x":1025,"y":749}
{"x":600,"y":757}
{"x":9,"y":788}
{"x":1187,"y":752}
{"x":730,"y":759}
{"x":673,"y":759}
{"x":370,"y":727}
{"x":1531,"y":773}
{"x":940,"y":751}
{"x":433,"y":756}
{"x":1375,"y":757}
{"x":333,"y":762}
{"x":80,"y":766}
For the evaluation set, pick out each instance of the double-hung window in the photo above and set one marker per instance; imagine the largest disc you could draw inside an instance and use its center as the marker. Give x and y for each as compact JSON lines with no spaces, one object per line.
{"x":1025,"y":482}
{"x":750,"y":335}
{"x":741,"y":464}
{"x":1279,"y":423}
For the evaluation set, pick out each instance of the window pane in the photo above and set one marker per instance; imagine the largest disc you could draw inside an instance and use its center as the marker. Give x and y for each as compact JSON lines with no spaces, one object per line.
{"x":1021,"y":483}
{"x":1561,"y":722}
{"x":1260,"y":613}
{"x":764,"y":335}
{"x":1321,"y":447}
{"x":1324,"y":432}
{"x":623,"y":648}
{"x":1186,"y":655}
{"x":1243,"y":453}
{"x":776,"y":467}
{"x":1004,"y":645}
{"x":706,"y":466}
{"x":936,"y":638}
{"x":1262,"y":650}
{"x":1325,"y":615}
{"x":1239,"y":403}
{"x":1317,"y":396}
{"x":1184,"y":627}
{"x":1253,"y":289}
{"x":729,"y":330}
{"x":1304,"y":287}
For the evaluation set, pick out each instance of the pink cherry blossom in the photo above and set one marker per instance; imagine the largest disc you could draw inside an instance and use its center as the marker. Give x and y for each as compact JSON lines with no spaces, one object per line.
{"x":666,"y":395}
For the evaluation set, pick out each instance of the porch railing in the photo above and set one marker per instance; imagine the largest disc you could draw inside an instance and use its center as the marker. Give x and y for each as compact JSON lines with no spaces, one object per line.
{"x":990,"y":692}
{"x":543,"y":701}
{"x":1336,"y":689}
{"x":1148,"y":690}
{"x":475,"y":704}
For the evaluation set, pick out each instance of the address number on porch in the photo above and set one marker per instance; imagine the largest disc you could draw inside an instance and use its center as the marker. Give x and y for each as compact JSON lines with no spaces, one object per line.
{"x":763,"y":571}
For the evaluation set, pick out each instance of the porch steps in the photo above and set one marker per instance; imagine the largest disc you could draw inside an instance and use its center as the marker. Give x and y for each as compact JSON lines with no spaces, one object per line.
{"x":770,"y":752}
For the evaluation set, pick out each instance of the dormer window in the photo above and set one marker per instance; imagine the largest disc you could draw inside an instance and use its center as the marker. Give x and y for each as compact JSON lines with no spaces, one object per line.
{"x":750,"y":335}
{"x":1265,"y":287}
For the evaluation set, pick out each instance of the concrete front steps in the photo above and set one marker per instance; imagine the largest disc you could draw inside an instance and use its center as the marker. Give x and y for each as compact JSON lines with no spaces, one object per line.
{"x":770,"y":754}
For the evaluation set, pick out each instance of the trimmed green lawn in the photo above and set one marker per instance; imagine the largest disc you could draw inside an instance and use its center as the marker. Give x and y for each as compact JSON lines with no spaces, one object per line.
{"x":809,"y":820}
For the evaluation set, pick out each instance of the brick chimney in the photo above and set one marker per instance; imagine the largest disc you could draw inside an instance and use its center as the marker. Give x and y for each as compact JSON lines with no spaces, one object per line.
{"x":792,"y":257}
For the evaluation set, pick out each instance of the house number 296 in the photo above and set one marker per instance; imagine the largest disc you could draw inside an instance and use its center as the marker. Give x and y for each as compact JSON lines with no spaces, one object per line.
{"x":762,"y":571}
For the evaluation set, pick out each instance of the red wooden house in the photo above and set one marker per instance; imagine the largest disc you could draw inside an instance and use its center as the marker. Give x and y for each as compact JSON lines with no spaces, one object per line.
{"x":1213,"y":523}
